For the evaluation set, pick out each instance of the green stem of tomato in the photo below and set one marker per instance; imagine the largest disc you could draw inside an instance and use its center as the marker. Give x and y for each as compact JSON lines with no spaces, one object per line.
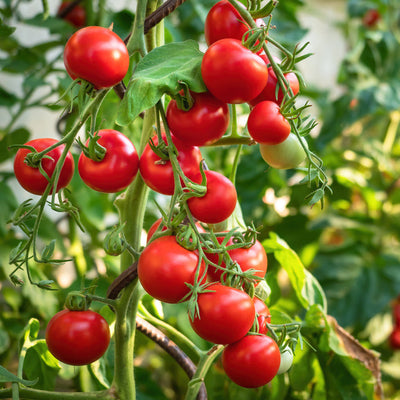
{"x":206,"y":361}
{"x":136,"y":42}
{"x":37,"y":394}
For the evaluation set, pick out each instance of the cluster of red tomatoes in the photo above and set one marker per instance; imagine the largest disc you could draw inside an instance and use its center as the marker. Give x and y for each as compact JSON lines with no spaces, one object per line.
{"x":394,"y":338}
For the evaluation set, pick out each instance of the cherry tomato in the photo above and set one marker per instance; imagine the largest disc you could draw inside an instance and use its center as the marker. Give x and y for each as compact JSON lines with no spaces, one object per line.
{"x":30,"y":178}
{"x":117,"y":169}
{"x":158,"y":174}
{"x":371,"y":18}
{"x":203,"y":124}
{"x":96,"y":55}
{"x":232,"y":73}
{"x":224,"y":21}
{"x":219,"y":201}
{"x":286,"y":360}
{"x":266,"y":124}
{"x":77,"y":337}
{"x":225,"y":314}
{"x":76,"y":17}
{"x":263,"y":315}
{"x":253,"y":257}
{"x":285,"y":155}
{"x":394,"y":338}
{"x":253,"y":361}
{"x":269,"y":91}
{"x":165,"y":267}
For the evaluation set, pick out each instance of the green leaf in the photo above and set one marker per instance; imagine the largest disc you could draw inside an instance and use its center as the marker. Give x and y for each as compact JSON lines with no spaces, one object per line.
{"x":6,"y":30}
{"x":159,"y":72}
{"x":8,"y":205}
{"x":18,"y":136}
{"x":306,"y":288}
{"x":7,"y":376}
{"x":7,"y":99}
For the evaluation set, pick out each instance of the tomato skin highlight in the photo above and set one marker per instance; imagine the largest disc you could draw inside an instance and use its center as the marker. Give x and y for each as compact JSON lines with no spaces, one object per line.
{"x":267,"y":125}
{"x":224,"y":21}
{"x":76,"y":17}
{"x":158,"y":174}
{"x":203,"y":124}
{"x":31,"y":179}
{"x":77,"y":337}
{"x":96,"y":55}
{"x":226,"y":314}
{"x":226,"y":60}
{"x":164,"y":267}
{"x":253,"y":257}
{"x":218,"y":203}
{"x":251,"y":362}
{"x":286,"y":155}
{"x":117,"y":169}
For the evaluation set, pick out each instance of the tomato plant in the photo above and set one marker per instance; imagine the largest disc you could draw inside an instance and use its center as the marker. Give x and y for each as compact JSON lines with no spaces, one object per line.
{"x":267,"y":125}
{"x":253,"y":361}
{"x":77,"y":337}
{"x":205,"y":122}
{"x":223,"y":62}
{"x":97,"y":55}
{"x":117,"y":169}
{"x":225,"y":314}
{"x":218,"y":202}
{"x":263,"y":315}
{"x":158,"y":173}
{"x":31,"y":178}
{"x":165,"y":267}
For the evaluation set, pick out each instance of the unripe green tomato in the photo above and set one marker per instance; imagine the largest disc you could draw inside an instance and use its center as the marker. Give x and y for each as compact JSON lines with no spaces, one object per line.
{"x":286,"y":360}
{"x":285,"y":155}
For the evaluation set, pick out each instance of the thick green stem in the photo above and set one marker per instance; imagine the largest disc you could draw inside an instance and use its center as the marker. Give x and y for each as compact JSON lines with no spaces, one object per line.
{"x":28,"y":393}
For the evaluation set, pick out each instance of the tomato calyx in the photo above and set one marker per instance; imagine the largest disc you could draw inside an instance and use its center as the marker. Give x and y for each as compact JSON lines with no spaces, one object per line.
{"x":265,"y":11}
{"x":184,"y":100}
{"x":93,"y":150}
{"x":114,"y":243}
{"x":77,"y":301}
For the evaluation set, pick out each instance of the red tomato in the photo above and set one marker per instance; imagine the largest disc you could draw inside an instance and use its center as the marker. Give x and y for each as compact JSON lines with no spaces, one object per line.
{"x":30,"y":178}
{"x":96,"y":55}
{"x":396,"y":311}
{"x":226,"y":314}
{"x":371,"y":18}
{"x":263,"y":315}
{"x":394,"y":338}
{"x":117,"y":169}
{"x":165,"y":267}
{"x":266,"y":124}
{"x":285,"y":155}
{"x":77,"y":337}
{"x":219,"y":201}
{"x":269,"y":91}
{"x":252,"y":258}
{"x":76,"y":17}
{"x":232,"y":73}
{"x":158,"y":174}
{"x":203,"y":124}
{"x":223,"y":21}
{"x":253,"y":361}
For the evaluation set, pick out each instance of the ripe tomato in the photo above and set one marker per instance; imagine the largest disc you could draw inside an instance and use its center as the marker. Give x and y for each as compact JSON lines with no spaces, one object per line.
{"x":223,"y":21}
{"x":269,"y":91}
{"x":96,"y":55}
{"x":117,"y":169}
{"x":266,"y":124}
{"x":165,"y":267}
{"x":394,"y":338}
{"x":76,"y":17}
{"x":253,"y":361}
{"x":158,"y":174}
{"x":30,"y":178}
{"x":285,"y":155}
{"x":219,"y":201}
{"x":77,"y":337}
{"x":263,"y":315}
{"x":203,"y":124}
{"x":225,"y":314}
{"x":232,"y":73}
{"x":252,"y":258}
{"x":371,"y":18}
